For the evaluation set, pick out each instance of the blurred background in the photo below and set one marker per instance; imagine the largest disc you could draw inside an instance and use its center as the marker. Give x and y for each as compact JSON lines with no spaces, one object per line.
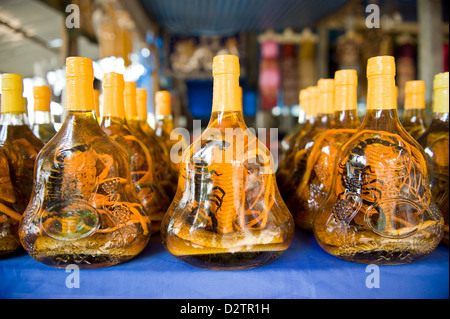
{"x":283,"y":46}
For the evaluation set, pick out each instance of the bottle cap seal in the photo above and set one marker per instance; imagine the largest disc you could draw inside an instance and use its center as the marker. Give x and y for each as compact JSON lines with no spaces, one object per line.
{"x":226,"y":64}
{"x":163,"y":103}
{"x":381,"y":65}
{"x":12,"y":99}
{"x":42,"y":96}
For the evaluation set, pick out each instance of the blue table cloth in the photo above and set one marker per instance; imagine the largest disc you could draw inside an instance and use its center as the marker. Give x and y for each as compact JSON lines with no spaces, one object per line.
{"x":303,"y":271}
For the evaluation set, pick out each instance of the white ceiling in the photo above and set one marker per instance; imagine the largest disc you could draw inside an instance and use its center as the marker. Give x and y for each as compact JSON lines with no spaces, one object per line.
{"x":20,"y":54}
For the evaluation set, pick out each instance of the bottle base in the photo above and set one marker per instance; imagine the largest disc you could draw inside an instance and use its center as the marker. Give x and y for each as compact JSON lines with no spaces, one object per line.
{"x":230,"y":261}
{"x":83,"y":261}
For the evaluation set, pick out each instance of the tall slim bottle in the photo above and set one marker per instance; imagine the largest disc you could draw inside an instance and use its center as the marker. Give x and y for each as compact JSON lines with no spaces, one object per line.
{"x":42,"y":126}
{"x":20,"y":145}
{"x":435,"y":141}
{"x":380,"y":208}
{"x":414,"y":120}
{"x":84,"y":209}
{"x":227,"y":213}
{"x":154,"y":200}
{"x":316,"y":181}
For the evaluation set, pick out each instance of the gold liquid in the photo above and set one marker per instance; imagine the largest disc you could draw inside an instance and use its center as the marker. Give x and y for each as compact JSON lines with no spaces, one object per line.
{"x":435,"y":141}
{"x":380,"y":209}
{"x":226,"y":215}
{"x":414,"y":122}
{"x":84,"y":208}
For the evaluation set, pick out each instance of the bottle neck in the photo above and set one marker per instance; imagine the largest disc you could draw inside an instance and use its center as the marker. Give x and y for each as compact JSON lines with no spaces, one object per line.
{"x":441,"y":100}
{"x":381,"y":93}
{"x":42,"y":117}
{"x":226,"y":100}
{"x":79,"y":94}
{"x":14,"y":119}
{"x":414,"y":116}
{"x":113,"y":102}
{"x":347,"y":119}
{"x":109,"y":120}
{"x":440,"y":117}
{"x":414,"y":102}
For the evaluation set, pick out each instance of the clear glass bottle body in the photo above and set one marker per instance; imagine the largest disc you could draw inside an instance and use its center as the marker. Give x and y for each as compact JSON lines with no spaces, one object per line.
{"x":380,"y":209}
{"x":414,"y":122}
{"x":153,"y":197}
{"x":316,"y":180}
{"x":42,"y":126}
{"x":226,"y":215}
{"x":84,"y":209}
{"x":435,"y":142}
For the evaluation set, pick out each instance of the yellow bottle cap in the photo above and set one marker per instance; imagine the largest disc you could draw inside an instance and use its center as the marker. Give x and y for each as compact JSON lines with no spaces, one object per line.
{"x":113,"y":97}
{"x":42,"y":96}
{"x":382,"y":92}
{"x":226,"y":64}
{"x":163,"y":103}
{"x":12,"y":99}
{"x":141,"y":101}
{"x":79,"y":84}
{"x":130,"y":100}
{"x":381,"y":65}
{"x":313,"y":100}
{"x":414,"y":94}
{"x":326,"y":95}
{"x":441,"y":93}
{"x":346,"y":82}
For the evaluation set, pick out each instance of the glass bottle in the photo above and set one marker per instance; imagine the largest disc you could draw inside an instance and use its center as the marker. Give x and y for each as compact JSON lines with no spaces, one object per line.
{"x":84,"y":208}
{"x":97,"y":105}
{"x":380,"y":208}
{"x":435,"y":141}
{"x":167,"y":175}
{"x":9,"y":214}
{"x":153,"y":198}
{"x":287,"y":174}
{"x":227,"y":213}
{"x":20,"y":145}
{"x":325,"y":121}
{"x":414,"y":108}
{"x":317,"y":178}
{"x":160,"y":167}
{"x":164,"y":126}
{"x":42,"y":125}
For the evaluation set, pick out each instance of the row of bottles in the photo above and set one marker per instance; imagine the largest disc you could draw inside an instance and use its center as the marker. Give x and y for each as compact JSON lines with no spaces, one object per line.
{"x":99,"y":191}
{"x":365,"y":189}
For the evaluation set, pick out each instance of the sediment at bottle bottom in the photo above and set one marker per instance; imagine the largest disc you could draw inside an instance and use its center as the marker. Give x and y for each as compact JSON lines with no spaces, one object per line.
{"x":9,"y":244}
{"x":212,"y":258}
{"x":86,"y":253}
{"x":382,"y":254}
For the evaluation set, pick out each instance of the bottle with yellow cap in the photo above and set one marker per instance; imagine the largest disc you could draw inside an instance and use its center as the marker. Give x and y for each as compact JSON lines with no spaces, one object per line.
{"x":227,"y":213}
{"x":380,"y":208}
{"x":435,"y":141}
{"x":84,"y":208}
{"x":42,"y":125}
{"x":164,"y":125}
{"x":167,"y":176}
{"x":323,"y":100}
{"x":305,"y":120}
{"x":154,"y":200}
{"x":414,"y":108}
{"x":10,"y":215}
{"x":20,"y":145}
{"x":317,"y":178}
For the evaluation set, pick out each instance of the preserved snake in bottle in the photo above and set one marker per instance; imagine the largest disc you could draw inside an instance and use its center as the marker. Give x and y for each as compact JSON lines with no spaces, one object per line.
{"x":380,"y":208}
{"x":169,"y":177}
{"x":161,"y":163}
{"x":20,"y":145}
{"x":435,"y":141}
{"x":9,"y":214}
{"x":227,"y":213}
{"x":316,"y":181}
{"x":414,"y":108}
{"x":153,"y":198}
{"x":42,"y":125}
{"x":84,"y":208}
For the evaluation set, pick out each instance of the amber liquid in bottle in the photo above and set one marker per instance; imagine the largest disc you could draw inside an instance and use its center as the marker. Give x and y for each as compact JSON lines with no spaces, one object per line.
{"x":435,"y":141}
{"x":20,"y":145}
{"x":154,"y":200}
{"x":227,"y":213}
{"x":84,"y":208}
{"x":380,"y":208}
{"x":42,"y":125}
{"x":316,"y":181}
{"x":414,"y":113}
